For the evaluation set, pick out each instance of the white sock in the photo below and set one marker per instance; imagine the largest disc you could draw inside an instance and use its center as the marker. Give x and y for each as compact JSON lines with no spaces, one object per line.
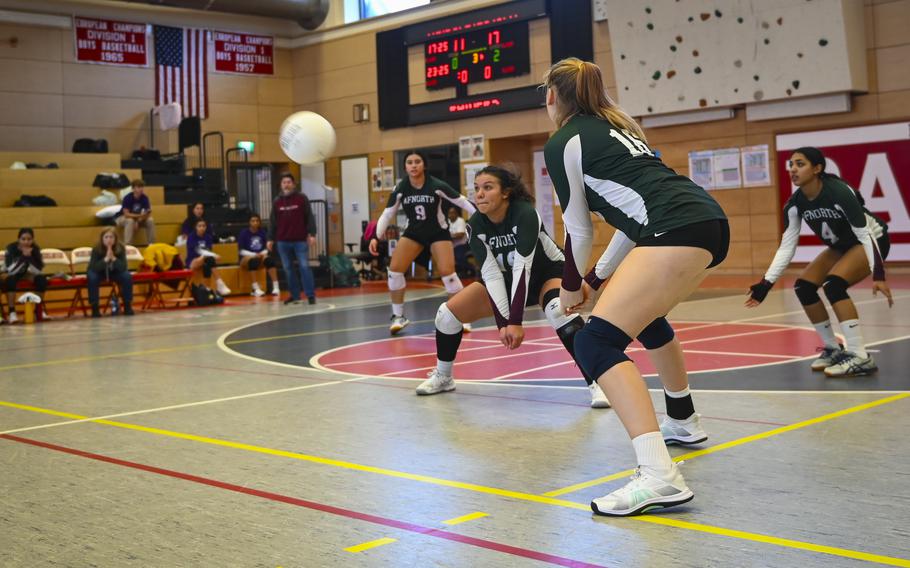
{"x":220,"y":282}
{"x":256,"y":286}
{"x":651,"y":452}
{"x":677,"y":394}
{"x":853,"y":336}
{"x":445,"y":367}
{"x":275,"y":287}
{"x":398,"y":310}
{"x":826,"y":333}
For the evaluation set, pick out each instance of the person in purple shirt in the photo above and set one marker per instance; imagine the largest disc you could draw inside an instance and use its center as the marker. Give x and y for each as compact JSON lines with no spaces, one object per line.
{"x":294,"y":229}
{"x":200,"y":258}
{"x":136,"y":212}
{"x":252,"y":246}
{"x":189,"y":224}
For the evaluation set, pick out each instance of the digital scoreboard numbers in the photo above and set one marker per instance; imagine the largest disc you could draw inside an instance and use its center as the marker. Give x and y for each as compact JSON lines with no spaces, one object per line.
{"x":477,"y":56}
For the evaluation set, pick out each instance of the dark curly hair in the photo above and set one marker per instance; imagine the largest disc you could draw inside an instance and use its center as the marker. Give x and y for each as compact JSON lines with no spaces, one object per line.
{"x":511,"y":181}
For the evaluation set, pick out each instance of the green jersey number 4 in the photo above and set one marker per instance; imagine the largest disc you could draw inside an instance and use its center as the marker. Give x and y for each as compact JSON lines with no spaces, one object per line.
{"x":634,"y":144}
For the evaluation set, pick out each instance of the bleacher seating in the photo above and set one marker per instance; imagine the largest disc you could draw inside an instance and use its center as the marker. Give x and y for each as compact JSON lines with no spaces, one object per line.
{"x":71,"y":226}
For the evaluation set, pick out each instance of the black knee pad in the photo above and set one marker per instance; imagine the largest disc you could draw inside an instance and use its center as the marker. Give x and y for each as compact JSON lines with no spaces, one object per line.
{"x":254,"y":263}
{"x":207,"y":266}
{"x":807,"y":292}
{"x":269,"y":262}
{"x":566,"y":335}
{"x":836,"y":289}
{"x":599,"y":346}
{"x":657,"y":334}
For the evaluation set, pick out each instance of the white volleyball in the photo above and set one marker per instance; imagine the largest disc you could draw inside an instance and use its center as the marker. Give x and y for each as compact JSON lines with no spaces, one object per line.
{"x":307,"y":138}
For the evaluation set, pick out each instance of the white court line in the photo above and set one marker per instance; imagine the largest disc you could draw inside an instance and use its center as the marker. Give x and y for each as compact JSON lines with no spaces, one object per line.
{"x":399,"y":357}
{"x":185,"y":405}
{"x":485,"y":359}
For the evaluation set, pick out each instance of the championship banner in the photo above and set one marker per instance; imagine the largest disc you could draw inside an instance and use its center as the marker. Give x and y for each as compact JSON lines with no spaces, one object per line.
{"x":246,"y":54}
{"x":875,"y":161}
{"x":110,"y":42}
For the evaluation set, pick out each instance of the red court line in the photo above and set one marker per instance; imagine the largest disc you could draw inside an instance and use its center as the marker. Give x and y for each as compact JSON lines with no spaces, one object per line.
{"x":384,"y":521}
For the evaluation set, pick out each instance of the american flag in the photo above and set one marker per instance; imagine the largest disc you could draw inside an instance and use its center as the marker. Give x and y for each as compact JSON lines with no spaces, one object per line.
{"x":181,"y":61}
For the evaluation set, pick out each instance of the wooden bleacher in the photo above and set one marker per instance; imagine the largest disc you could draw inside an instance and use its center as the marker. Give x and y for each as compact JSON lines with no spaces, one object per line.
{"x":72,"y":223}
{"x":67,"y":160}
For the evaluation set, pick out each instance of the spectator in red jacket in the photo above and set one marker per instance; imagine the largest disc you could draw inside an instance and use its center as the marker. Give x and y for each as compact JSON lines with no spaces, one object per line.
{"x":294,"y":230}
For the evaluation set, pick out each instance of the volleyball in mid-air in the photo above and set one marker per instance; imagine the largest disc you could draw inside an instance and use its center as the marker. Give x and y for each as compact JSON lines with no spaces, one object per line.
{"x":307,"y":138}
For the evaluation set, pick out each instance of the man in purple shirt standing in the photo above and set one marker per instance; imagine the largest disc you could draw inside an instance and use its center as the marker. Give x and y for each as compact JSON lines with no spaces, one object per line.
{"x":136,"y":212}
{"x":293,"y":228}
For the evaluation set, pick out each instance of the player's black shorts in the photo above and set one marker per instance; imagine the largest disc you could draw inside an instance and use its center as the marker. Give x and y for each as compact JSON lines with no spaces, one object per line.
{"x":542,"y":269}
{"x":713,"y":236}
{"x":883,"y":242}
{"x":427,"y":238}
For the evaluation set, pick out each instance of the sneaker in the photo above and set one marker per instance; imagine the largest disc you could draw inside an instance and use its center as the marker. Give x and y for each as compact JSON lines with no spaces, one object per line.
{"x":850,"y":364}
{"x":826,"y":358}
{"x":222,"y":288}
{"x":128,"y":310}
{"x":436,"y":383}
{"x":467,"y":327}
{"x":688,"y":431}
{"x":276,"y":291}
{"x":598,"y":398}
{"x":644,"y":493}
{"x":311,"y":300}
{"x":291,"y":301}
{"x":398,"y":323}
{"x":13,"y":318}
{"x":257,"y":292}
{"x":45,"y":316}
{"x":96,"y":312}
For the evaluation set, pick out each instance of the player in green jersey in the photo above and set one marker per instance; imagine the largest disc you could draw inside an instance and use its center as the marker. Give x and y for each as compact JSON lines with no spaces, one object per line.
{"x":520,"y":266}
{"x":421,"y":196}
{"x":670,"y":233}
{"x":857,"y":244}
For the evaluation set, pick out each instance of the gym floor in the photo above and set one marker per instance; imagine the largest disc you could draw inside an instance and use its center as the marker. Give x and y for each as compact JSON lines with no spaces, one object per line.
{"x":257,"y":434}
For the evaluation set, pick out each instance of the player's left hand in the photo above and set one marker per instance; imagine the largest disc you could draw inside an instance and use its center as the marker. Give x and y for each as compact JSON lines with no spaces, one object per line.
{"x":572,"y":301}
{"x":882,"y":286}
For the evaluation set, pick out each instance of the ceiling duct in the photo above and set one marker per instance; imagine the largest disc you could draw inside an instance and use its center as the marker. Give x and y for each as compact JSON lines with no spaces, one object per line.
{"x":308,"y":13}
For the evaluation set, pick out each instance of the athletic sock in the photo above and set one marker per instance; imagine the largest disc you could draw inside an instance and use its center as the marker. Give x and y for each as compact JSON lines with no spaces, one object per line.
{"x":679,"y":404}
{"x":651,"y":452}
{"x":398,"y":310}
{"x":853,"y":336}
{"x":444,"y":367}
{"x":826,"y":333}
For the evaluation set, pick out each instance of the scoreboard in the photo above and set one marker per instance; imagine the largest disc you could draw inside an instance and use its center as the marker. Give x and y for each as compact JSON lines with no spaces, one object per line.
{"x":477,"y":56}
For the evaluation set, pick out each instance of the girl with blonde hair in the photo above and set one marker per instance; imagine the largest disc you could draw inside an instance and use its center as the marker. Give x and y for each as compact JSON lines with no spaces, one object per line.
{"x":669,"y":234}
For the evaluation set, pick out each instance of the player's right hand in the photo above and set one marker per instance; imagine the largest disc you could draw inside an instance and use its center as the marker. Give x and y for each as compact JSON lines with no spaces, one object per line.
{"x":758,"y":292}
{"x":374,"y":246}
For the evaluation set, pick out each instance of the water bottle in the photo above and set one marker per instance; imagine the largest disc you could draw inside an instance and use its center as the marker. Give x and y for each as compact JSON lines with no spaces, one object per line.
{"x":115,"y":305}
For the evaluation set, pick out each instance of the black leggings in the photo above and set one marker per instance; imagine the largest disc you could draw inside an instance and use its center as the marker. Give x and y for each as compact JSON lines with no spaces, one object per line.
{"x":10,"y":283}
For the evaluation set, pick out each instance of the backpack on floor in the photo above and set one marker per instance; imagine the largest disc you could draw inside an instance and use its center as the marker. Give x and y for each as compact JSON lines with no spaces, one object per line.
{"x":343,"y":271}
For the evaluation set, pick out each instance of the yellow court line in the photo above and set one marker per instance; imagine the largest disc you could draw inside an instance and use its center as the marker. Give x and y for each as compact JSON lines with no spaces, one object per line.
{"x":720,"y":531}
{"x":733,"y":443}
{"x":465,"y":518}
{"x":371,"y":544}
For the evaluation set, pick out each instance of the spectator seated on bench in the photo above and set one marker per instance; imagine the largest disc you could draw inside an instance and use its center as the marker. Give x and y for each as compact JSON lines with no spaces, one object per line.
{"x":108,"y":263}
{"x":254,"y":255}
{"x":23,"y":261}
{"x":201,"y":260}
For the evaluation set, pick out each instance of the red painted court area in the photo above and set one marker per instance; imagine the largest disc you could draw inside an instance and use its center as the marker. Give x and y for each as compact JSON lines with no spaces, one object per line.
{"x":708,"y":347}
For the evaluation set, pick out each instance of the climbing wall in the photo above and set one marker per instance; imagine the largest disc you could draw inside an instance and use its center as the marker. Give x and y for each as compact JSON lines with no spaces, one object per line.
{"x":679,"y":55}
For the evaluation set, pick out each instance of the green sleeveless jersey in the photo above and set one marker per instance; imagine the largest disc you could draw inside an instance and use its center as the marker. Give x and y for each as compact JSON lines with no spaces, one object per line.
{"x":506,"y":252}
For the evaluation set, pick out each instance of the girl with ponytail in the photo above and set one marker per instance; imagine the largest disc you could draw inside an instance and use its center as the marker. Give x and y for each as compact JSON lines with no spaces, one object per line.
{"x":669,"y":234}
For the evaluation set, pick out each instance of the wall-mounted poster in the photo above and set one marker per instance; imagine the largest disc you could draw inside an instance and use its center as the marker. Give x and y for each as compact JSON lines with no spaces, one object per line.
{"x":756,"y":168}
{"x":726,"y":169}
{"x":376,"y":179}
{"x":701,"y":168}
{"x":470,"y":172}
{"x":388,"y":178}
{"x":471,"y":148}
